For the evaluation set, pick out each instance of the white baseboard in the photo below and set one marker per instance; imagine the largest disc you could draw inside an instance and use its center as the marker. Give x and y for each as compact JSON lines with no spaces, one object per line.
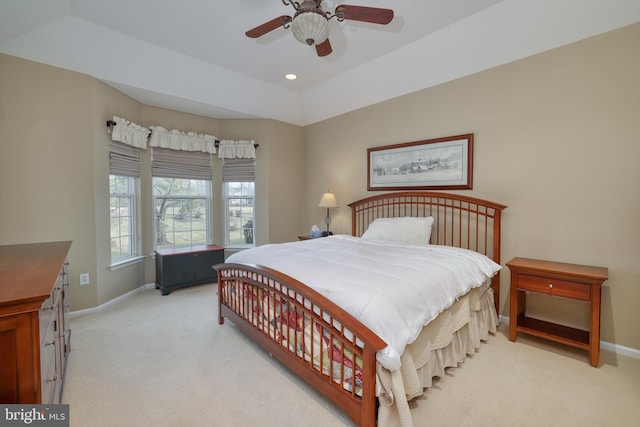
{"x":618,"y":349}
{"x":114,"y":301}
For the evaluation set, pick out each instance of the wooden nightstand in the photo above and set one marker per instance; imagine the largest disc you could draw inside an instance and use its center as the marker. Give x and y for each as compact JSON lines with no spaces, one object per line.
{"x":307,"y":237}
{"x":556,"y":279}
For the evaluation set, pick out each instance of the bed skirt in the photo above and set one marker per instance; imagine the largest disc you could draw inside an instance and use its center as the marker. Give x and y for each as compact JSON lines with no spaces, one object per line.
{"x":444,"y":342}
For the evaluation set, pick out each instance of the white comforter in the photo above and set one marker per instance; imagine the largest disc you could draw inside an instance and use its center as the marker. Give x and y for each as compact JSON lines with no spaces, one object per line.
{"x":393,"y":288}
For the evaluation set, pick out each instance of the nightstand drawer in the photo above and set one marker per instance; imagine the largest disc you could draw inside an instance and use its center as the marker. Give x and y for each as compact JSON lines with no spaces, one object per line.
{"x":554,"y":287}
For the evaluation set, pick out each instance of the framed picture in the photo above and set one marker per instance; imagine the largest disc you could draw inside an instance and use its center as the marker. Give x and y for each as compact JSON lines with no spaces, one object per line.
{"x":434,"y":164}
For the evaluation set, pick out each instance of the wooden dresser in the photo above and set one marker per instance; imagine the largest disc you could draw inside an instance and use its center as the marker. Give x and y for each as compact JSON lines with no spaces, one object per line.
{"x":34,"y":331}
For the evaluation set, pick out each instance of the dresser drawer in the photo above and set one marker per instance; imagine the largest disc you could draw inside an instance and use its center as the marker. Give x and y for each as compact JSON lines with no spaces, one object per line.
{"x":554,"y":287}
{"x":48,"y":345}
{"x":48,"y":315}
{"x":49,"y":375}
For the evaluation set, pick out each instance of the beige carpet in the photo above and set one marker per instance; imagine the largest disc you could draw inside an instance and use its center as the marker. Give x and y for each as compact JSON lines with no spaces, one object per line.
{"x":165,"y":361}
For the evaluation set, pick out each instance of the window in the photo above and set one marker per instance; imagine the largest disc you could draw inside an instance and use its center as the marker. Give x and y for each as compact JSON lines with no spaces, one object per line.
{"x":181,"y":198}
{"x":122,"y":190}
{"x":239,"y":213}
{"x":181,"y":212}
{"x":238,"y":176}
{"x":124,"y":170}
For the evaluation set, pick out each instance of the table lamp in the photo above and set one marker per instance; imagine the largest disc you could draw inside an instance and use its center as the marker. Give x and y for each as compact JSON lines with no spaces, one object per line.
{"x":328,"y":201}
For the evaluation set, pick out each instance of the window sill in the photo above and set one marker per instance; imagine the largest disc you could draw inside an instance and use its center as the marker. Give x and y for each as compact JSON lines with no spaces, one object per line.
{"x":229,"y":250}
{"x":239,"y":247}
{"x":126,"y":262}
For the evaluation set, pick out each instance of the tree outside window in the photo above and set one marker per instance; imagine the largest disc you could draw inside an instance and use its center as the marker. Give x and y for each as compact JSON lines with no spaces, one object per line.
{"x":181,"y":208}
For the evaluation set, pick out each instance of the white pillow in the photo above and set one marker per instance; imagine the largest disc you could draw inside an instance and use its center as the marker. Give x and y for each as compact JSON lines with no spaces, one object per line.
{"x":416,"y":230}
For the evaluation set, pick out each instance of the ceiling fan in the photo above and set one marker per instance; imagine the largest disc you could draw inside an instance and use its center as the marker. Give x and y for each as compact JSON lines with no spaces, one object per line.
{"x":310,"y":23}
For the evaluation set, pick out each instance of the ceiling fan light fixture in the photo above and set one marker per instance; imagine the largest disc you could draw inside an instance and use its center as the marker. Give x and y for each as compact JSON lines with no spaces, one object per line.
{"x":310,"y":28}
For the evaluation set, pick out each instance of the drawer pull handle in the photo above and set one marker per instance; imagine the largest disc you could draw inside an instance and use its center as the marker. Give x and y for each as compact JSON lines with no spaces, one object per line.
{"x":550,"y":285}
{"x":53,"y":378}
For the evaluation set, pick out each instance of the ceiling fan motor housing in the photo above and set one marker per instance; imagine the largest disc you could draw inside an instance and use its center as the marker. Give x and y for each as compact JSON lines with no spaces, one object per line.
{"x":310,"y":25}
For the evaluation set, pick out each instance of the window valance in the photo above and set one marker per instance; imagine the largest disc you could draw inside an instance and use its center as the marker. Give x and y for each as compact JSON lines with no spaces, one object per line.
{"x":236,"y":149}
{"x":129,"y":133}
{"x":184,"y":141}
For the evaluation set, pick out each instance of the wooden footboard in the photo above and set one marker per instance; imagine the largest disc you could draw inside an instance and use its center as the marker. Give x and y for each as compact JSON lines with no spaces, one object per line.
{"x":320,"y":342}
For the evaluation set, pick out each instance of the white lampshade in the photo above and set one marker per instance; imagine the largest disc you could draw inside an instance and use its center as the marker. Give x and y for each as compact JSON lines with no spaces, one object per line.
{"x":310,"y":28}
{"x":328,"y":201}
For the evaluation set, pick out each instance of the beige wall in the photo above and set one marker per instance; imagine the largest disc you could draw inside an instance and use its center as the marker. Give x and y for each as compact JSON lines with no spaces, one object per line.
{"x":54,"y":169}
{"x":46,"y":167}
{"x":556,"y":139}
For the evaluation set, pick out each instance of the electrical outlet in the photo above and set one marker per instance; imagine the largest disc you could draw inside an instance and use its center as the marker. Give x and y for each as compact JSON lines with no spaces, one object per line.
{"x":84,"y":279}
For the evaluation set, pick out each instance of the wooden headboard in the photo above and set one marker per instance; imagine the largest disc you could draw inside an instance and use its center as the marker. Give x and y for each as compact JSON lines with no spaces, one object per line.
{"x":460,"y":221}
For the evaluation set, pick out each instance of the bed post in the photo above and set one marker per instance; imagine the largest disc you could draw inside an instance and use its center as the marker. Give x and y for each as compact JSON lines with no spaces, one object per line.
{"x":220,"y":316}
{"x":368,"y":409}
{"x":495,"y":281}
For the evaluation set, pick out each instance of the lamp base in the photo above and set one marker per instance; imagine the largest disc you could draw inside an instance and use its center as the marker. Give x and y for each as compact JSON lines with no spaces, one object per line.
{"x":327,"y":221}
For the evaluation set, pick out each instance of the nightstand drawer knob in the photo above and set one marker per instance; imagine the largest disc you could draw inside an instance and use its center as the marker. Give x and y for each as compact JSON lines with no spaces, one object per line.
{"x":550,"y":285}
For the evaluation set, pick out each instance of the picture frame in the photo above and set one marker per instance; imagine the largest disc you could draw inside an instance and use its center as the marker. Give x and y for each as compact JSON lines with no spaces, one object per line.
{"x":433,"y":164}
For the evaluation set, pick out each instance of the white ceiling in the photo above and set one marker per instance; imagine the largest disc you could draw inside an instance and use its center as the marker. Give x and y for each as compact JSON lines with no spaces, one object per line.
{"x":193,"y":56}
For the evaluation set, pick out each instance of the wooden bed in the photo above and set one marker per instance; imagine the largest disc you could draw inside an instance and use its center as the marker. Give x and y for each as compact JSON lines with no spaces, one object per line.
{"x":348,"y":380}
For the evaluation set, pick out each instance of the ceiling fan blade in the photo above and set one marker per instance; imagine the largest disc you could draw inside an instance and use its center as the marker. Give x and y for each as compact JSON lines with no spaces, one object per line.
{"x":263,"y":29}
{"x":365,"y":14}
{"x":324,"y":48}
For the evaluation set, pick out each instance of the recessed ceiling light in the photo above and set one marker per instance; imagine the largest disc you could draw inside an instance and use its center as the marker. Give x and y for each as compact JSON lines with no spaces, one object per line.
{"x":290,"y":76}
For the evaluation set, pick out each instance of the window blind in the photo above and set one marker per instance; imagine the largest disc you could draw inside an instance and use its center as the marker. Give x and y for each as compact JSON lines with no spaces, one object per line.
{"x":168,"y":163}
{"x":239,"y":170}
{"x":124,"y":160}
